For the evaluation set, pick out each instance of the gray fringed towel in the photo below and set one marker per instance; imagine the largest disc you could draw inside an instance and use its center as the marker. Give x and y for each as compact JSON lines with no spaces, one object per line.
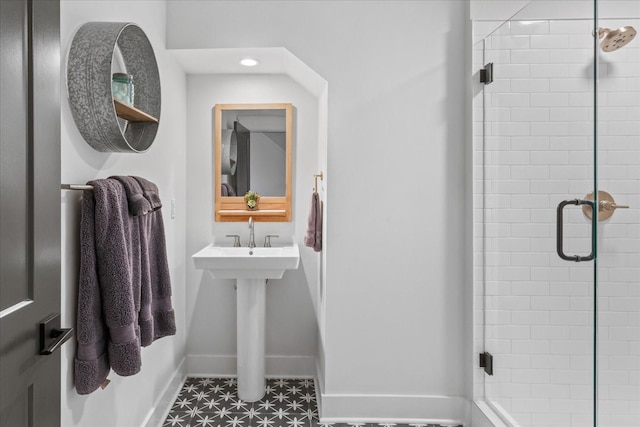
{"x":313,"y":236}
{"x":124,"y":297}
{"x":152,"y":281}
{"x":107,"y":330}
{"x":157,"y":318}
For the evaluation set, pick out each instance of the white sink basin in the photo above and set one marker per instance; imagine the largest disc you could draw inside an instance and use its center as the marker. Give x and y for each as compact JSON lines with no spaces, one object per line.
{"x":226,"y":262}
{"x":251,"y":267}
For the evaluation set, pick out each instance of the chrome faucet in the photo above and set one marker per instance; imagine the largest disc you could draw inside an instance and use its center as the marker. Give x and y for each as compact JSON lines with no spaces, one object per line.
{"x":252,"y":237}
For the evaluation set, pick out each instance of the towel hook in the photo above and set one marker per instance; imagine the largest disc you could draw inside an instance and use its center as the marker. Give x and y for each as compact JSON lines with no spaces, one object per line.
{"x":315,"y":178}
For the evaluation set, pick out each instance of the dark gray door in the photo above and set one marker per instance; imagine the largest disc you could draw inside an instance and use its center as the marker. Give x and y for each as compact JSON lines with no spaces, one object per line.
{"x":29,"y":211}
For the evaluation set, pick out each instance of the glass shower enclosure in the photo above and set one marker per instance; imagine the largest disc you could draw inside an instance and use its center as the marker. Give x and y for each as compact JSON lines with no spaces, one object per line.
{"x":557,"y":214}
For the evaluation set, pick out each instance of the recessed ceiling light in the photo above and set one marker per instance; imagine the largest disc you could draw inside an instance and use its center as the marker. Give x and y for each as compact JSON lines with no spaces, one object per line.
{"x":249,"y":62}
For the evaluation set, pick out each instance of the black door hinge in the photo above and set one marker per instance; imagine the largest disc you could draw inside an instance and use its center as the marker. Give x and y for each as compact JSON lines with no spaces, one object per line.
{"x":486,"y":362}
{"x":486,"y":74}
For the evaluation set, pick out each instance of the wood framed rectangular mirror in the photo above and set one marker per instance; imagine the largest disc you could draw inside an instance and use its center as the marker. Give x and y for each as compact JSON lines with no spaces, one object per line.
{"x":253,"y":146}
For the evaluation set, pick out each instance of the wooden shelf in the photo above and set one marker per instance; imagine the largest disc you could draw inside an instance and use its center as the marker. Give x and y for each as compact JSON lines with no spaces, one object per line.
{"x":245,"y":212}
{"x":132,"y":114}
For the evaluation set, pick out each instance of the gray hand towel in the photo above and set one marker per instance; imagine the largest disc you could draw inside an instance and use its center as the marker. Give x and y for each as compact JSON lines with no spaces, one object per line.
{"x":157,"y":318}
{"x":150,"y":191}
{"x":313,"y":236}
{"x":137,"y":202}
{"x":156,"y":315}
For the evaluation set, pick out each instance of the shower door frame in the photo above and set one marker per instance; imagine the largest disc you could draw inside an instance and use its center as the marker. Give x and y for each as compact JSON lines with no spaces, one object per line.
{"x":505,"y":417}
{"x":608,"y":383}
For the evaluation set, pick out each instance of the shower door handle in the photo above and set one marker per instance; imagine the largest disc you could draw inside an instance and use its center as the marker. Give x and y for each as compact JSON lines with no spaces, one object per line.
{"x":560,"y":228}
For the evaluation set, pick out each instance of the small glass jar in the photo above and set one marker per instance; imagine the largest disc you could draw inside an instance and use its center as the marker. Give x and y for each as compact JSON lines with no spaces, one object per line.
{"x":122,"y":87}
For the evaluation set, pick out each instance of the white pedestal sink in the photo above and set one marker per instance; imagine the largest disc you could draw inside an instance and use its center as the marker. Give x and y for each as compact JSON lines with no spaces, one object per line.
{"x":251,"y":267}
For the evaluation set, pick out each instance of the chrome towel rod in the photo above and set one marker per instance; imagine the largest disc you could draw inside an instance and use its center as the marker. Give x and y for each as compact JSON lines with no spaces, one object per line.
{"x":76,"y":187}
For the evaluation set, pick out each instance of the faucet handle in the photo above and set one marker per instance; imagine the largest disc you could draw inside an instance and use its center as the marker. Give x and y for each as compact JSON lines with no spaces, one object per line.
{"x":236,"y":240}
{"x":267,"y":240}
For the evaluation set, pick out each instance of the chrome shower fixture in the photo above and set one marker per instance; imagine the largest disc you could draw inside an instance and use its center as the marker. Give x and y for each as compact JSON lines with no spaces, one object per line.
{"x":615,"y":39}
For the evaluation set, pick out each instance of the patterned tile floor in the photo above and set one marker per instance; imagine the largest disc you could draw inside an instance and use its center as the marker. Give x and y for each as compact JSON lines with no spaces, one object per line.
{"x":214,"y":402}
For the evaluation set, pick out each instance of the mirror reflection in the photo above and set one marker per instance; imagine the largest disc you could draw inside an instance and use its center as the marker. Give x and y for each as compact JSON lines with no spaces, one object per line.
{"x":253,"y":152}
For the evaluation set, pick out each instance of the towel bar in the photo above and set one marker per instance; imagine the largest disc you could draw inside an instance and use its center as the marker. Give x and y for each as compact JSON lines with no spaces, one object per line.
{"x":76,"y":187}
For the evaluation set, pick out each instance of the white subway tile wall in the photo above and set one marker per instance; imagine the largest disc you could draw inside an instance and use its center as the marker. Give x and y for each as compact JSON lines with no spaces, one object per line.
{"x":533,"y":148}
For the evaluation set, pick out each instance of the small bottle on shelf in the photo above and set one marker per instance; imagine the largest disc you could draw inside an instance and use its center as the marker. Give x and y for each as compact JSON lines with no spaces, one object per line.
{"x":122,"y":88}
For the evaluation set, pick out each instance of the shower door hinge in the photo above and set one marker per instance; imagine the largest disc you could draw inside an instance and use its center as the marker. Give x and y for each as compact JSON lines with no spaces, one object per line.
{"x":486,"y":74}
{"x":486,"y":362}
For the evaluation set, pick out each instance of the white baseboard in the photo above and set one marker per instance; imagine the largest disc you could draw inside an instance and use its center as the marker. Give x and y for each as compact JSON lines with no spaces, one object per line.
{"x":403,"y":409}
{"x":483,"y":416}
{"x":162,"y":406}
{"x":276,"y":366}
{"x":501,"y":413}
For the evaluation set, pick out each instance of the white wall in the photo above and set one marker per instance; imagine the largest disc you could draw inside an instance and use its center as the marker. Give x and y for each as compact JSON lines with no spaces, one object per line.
{"x":127,"y":400}
{"x":395,"y":252}
{"x":211,"y":304}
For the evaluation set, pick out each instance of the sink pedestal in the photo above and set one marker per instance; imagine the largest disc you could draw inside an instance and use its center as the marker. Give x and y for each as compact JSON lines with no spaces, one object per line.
{"x":251,"y":267}
{"x":250,"y":338}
